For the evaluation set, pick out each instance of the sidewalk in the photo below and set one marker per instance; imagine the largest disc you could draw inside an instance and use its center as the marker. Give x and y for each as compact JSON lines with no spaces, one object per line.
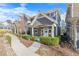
{"x":20,"y":49}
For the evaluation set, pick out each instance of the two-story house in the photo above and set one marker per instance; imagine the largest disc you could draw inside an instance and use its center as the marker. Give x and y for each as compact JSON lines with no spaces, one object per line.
{"x":43,"y":24}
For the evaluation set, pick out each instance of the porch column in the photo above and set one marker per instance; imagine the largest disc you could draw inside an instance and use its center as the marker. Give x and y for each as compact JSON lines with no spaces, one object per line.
{"x":32,"y":31}
{"x":56,"y":30}
{"x":52,"y":31}
{"x":14,"y":29}
{"x":75,"y":35}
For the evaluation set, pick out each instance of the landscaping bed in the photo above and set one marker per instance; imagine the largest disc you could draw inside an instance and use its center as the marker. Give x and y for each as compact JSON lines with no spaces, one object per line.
{"x":48,"y":48}
{"x":56,"y":51}
{"x":50,"y":41}
{"x":27,"y":43}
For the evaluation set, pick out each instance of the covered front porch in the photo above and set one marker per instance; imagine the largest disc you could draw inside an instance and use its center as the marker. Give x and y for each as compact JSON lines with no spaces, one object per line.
{"x":42,"y":30}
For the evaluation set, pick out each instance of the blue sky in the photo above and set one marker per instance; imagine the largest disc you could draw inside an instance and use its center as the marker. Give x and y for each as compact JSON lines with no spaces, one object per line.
{"x":14,"y":10}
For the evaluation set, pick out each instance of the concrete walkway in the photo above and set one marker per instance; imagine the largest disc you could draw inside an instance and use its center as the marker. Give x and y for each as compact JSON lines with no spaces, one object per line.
{"x":20,"y":49}
{"x":35,"y":46}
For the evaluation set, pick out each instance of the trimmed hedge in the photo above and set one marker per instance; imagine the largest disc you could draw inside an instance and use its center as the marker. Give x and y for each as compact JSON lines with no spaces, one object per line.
{"x":49,"y":40}
{"x":32,"y":38}
{"x":55,"y":41}
{"x":28,"y":37}
{"x":43,"y":39}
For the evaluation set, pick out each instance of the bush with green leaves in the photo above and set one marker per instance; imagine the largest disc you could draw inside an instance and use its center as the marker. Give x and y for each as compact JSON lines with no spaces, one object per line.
{"x":32,"y":38}
{"x":27,"y":37}
{"x":49,"y":40}
{"x":45,"y":40}
{"x":55,"y":41}
{"x":37,"y":38}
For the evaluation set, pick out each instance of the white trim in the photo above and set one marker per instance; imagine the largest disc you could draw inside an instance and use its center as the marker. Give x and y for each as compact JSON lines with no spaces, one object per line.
{"x":51,"y":19}
{"x":52,"y":31}
{"x":34,"y":19}
{"x":32,"y":31}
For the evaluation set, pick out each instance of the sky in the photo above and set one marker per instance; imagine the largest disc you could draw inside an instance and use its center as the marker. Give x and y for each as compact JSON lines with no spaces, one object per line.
{"x":12,"y":11}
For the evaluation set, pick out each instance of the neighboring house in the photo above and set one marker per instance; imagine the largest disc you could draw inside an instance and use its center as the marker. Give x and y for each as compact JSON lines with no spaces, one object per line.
{"x":72,"y":23}
{"x":43,"y":24}
{"x":5,"y":25}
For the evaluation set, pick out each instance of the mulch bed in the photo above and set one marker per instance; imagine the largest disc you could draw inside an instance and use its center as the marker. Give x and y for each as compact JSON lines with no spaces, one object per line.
{"x":45,"y":50}
{"x":56,"y":51}
{"x":27,"y":43}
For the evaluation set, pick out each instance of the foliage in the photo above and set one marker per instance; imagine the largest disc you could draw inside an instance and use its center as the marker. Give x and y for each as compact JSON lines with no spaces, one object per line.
{"x":8,"y":39}
{"x":55,"y":41}
{"x":63,"y":30}
{"x":27,"y":37}
{"x":4,"y":31}
{"x":49,"y":40}
{"x":65,"y":38}
{"x":32,"y":38}
{"x":45,"y":40}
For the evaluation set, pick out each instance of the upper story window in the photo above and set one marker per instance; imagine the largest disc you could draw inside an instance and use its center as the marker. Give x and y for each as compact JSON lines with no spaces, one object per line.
{"x":52,"y":15}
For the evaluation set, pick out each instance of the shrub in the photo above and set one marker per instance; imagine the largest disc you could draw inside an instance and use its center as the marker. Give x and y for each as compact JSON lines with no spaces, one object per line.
{"x":55,"y":41}
{"x":45,"y":40}
{"x":32,"y":38}
{"x":49,"y":40}
{"x":37,"y":38}
{"x":27,"y":37}
{"x":8,"y":39}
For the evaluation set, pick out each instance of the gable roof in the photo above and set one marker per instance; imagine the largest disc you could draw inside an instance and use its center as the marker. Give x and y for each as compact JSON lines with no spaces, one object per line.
{"x":44,"y":15}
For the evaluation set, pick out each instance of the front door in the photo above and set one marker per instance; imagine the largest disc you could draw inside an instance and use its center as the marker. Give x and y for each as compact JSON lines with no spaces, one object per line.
{"x":45,"y":31}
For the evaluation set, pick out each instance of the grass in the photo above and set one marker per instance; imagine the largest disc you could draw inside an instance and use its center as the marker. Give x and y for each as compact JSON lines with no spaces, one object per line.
{"x":8,"y":39}
{"x":4,"y":30}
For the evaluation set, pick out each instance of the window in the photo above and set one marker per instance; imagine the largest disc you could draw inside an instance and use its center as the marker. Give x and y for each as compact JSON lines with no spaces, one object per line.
{"x":45,"y":31}
{"x":36,"y":30}
{"x":49,"y":30}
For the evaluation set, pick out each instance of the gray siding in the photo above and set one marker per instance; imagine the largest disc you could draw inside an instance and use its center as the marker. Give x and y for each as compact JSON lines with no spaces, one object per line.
{"x":42,"y":21}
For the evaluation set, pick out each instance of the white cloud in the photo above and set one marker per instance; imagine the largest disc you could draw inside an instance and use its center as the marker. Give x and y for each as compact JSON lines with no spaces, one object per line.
{"x":6,"y":13}
{"x":23,"y":4}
